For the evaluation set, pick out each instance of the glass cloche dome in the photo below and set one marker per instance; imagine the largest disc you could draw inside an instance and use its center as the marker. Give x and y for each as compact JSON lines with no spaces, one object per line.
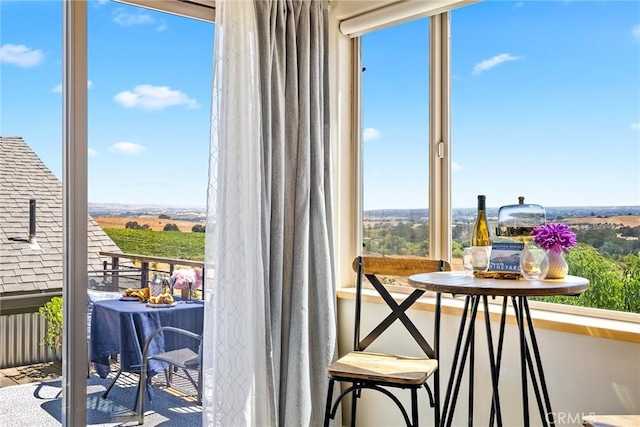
{"x":517,"y":221}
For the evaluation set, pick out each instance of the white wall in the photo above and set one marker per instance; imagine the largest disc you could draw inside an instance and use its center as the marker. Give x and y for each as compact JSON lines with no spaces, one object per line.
{"x":583,"y":374}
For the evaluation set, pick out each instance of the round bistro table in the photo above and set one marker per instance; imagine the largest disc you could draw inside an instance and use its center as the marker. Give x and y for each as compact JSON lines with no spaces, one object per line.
{"x":475,"y":289}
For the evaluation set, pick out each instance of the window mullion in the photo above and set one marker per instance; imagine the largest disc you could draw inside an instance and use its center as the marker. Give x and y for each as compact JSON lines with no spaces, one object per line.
{"x":74,"y":281}
{"x":439,"y":138}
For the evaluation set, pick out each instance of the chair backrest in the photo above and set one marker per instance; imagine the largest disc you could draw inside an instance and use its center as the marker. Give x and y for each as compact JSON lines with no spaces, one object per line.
{"x":371,"y":267}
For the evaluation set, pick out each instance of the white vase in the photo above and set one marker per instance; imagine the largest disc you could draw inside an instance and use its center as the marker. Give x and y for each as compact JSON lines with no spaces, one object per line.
{"x":554,"y":266}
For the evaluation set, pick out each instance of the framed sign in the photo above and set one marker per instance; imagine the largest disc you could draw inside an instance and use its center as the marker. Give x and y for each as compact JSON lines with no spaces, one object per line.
{"x":505,"y":257}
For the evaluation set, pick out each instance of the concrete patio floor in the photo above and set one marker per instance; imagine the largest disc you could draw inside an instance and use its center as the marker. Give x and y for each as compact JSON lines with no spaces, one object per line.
{"x":39,"y":372}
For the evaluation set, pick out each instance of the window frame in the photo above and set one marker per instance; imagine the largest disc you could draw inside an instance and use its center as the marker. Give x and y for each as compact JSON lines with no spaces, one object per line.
{"x":203,"y":10}
{"x":75,"y":208}
{"x":440,"y":184}
{"x":440,"y":215}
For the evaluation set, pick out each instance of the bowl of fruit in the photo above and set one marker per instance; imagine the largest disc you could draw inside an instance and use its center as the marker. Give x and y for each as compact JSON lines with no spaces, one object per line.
{"x":162,"y":300}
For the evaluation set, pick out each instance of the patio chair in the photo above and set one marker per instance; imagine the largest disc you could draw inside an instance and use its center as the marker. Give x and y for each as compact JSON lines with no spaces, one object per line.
{"x":183,"y":358}
{"x":376,"y":371}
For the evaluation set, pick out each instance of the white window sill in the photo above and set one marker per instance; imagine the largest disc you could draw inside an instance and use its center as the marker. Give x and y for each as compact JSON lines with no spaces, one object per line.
{"x":622,"y":330}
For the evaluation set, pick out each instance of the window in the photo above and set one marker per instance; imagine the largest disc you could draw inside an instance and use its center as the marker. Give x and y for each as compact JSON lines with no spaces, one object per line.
{"x":545,"y":104}
{"x":395,"y":138}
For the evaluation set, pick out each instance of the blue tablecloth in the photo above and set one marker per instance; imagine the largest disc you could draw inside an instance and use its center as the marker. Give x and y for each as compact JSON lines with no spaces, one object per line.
{"x":122,"y":327}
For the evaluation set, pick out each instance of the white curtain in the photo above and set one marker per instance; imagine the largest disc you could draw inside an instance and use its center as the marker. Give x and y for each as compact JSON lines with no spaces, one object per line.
{"x":270,"y":289}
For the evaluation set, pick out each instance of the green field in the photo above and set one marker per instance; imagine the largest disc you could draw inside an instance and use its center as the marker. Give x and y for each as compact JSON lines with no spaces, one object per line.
{"x":167,"y":244}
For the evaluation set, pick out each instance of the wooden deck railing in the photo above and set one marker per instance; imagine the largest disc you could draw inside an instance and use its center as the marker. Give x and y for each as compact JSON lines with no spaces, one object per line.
{"x":117,"y":270}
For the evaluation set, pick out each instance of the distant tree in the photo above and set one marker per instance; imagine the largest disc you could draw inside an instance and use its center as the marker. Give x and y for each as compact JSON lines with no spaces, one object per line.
{"x":371,"y":246}
{"x":164,"y":216}
{"x":457,"y":232}
{"x":132,"y":224}
{"x":423,"y":250}
{"x":198,"y":228}
{"x":457,"y":251}
{"x":170,"y":227}
{"x":404,"y":230}
{"x":596,"y":237}
{"x":135,"y":226}
{"x":394,"y":245}
{"x":627,"y":232}
{"x":615,"y":247}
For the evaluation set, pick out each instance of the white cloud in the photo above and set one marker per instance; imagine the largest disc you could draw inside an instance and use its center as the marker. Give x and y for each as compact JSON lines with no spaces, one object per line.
{"x":127,"y":148}
{"x":149,"y":97}
{"x":129,"y":19}
{"x":455,"y":166}
{"x":636,"y":31}
{"x":20,"y":55}
{"x":519,"y":4}
{"x":126,"y":19}
{"x":92,"y":152}
{"x":492,"y":62}
{"x":370,"y":133}
{"x":635,"y":126}
{"x":103,"y":1}
{"x":58,"y":88}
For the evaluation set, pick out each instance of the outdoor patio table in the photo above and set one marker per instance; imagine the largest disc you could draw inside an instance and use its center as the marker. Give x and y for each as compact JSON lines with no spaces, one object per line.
{"x":122,"y":327}
{"x":475,"y":289}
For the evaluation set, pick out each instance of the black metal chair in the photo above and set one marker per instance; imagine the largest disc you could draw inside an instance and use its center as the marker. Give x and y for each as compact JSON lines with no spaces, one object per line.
{"x":375,"y":371}
{"x":183,"y":358}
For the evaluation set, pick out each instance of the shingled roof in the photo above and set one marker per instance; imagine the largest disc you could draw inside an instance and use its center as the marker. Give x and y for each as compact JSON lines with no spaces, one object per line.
{"x":27,"y":268}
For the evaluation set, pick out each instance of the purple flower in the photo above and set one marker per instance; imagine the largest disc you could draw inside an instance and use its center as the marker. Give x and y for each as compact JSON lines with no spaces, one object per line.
{"x":554,"y":237}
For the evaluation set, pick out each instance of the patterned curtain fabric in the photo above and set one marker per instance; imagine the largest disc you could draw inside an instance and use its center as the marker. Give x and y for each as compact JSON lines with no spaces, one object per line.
{"x":270,"y":293}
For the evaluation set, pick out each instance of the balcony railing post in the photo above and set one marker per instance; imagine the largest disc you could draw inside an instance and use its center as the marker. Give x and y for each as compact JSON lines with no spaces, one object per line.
{"x":115,"y":279}
{"x":144,"y":276}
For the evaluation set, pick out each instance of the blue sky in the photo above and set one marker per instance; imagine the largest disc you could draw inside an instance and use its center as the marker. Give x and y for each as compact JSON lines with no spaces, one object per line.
{"x":149,"y":97}
{"x":546,"y":102}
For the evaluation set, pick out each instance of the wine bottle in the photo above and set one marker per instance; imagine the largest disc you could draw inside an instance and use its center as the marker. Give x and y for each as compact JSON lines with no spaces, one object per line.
{"x":481,"y":238}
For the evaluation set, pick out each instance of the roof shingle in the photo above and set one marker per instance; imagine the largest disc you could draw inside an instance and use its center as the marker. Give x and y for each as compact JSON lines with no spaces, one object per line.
{"x":23,"y":176}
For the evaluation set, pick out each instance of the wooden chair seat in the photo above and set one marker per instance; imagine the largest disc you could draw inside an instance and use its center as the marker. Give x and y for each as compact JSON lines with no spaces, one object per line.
{"x":383,"y":368}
